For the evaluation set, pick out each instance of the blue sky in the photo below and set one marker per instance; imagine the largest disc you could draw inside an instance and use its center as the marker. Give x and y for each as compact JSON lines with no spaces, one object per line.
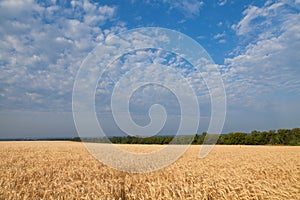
{"x":255,"y":45}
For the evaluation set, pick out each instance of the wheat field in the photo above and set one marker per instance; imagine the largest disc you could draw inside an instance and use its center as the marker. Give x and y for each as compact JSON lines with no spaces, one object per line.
{"x":65,"y":170}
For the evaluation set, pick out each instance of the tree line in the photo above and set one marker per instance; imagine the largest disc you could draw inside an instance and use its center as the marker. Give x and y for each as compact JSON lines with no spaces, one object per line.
{"x":272,"y":137}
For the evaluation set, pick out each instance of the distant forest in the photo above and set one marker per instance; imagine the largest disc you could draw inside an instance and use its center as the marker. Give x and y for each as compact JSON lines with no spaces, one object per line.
{"x":272,"y":137}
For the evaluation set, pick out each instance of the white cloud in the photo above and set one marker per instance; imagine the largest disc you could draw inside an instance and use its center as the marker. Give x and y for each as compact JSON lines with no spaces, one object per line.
{"x":201,"y":37}
{"x":142,"y":60}
{"x":42,"y":45}
{"x":219,"y":35}
{"x":258,"y":21}
{"x":222,"y":2}
{"x":189,"y":8}
{"x":222,"y":41}
{"x":271,"y":61}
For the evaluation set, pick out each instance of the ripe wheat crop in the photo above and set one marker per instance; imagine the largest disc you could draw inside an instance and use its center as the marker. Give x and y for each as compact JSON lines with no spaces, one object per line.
{"x":65,"y":170}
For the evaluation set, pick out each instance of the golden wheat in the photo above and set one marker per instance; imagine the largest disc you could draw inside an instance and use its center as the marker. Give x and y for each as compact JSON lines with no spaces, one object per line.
{"x":65,"y":170}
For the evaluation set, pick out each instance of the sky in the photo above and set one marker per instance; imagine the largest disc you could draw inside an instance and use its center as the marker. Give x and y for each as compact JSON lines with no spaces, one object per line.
{"x":255,"y":46}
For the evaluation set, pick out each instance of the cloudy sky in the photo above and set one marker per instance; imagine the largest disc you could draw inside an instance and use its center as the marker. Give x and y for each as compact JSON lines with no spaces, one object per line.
{"x":254,"y":44}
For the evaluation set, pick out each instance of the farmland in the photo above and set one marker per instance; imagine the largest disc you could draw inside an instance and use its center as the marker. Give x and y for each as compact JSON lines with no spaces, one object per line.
{"x":66,"y":170}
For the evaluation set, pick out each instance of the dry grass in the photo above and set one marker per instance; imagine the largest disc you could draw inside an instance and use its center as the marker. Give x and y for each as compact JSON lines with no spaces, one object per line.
{"x":65,"y":170}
